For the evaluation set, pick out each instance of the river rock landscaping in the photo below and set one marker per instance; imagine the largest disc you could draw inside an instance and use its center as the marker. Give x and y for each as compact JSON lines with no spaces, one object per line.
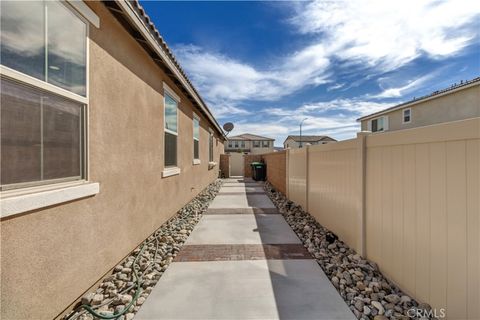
{"x":368,"y":293}
{"x":121,"y":294}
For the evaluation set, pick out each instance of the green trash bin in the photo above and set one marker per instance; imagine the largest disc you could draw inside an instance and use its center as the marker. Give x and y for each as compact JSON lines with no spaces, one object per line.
{"x":259,"y":171}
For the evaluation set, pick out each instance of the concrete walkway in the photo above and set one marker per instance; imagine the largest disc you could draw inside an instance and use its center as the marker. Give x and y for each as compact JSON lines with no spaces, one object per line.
{"x":243,"y":261}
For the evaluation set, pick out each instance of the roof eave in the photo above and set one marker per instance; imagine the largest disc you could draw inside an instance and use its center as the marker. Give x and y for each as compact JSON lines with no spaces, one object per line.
{"x":137,"y":23}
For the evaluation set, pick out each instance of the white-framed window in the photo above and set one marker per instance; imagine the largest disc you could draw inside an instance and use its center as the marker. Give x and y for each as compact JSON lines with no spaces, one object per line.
{"x":230,"y":144}
{"x":44,"y":93}
{"x":171,"y":101}
{"x":407,"y":115}
{"x":210,"y":147}
{"x":256,"y":144}
{"x":237,"y":145}
{"x":196,"y":139}
{"x":265,"y":144}
{"x":242,"y":144}
{"x":36,"y":42}
{"x":379,"y":124}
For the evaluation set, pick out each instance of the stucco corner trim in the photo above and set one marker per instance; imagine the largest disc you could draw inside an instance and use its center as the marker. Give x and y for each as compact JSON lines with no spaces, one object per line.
{"x":196,"y":161}
{"x":16,"y":204}
{"x":170,"y":172}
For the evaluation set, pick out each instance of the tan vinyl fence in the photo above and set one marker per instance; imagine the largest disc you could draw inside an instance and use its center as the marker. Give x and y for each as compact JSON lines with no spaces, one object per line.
{"x":297,"y":176}
{"x":408,"y":200}
{"x":276,"y":169}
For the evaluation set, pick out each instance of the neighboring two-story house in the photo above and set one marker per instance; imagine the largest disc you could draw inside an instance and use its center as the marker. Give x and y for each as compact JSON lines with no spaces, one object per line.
{"x":458,"y":102}
{"x":293,"y":142}
{"x":249,"y":143}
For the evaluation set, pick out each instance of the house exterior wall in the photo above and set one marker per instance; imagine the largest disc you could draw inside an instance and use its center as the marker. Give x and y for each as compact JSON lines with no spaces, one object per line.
{"x":51,"y":256}
{"x":249,"y":147}
{"x":407,"y":200}
{"x":458,"y":105}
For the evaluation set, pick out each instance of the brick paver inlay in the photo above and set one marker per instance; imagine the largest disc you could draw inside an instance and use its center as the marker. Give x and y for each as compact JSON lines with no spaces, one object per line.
{"x":242,"y":211}
{"x":232,"y":252}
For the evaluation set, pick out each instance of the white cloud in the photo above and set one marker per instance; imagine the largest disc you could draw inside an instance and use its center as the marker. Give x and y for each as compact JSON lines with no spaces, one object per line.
{"x":396,"y":92}
{"x":389,"y":34}
{"x":336,"y":86}
{"x":225,"y":110}
{"x":223,"y":79}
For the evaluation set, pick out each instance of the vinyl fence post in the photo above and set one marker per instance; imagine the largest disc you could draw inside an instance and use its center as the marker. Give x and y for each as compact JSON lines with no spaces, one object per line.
{"x":362,"y":189}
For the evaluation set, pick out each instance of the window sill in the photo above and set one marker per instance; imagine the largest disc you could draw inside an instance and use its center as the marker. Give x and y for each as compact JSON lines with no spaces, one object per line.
{"x":211,"y":164}
{"x":170,"y":172}
{"x":19,"y":201}
{"x":196,"y":161}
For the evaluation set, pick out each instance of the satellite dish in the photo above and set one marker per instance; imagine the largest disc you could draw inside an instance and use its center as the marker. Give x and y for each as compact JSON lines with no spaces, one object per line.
{"x":228,"y":127}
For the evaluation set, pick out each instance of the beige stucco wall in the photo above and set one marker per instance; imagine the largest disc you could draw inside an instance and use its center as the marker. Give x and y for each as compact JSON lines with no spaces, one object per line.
{"x":458,"y":105}
{"x":51,"y":256}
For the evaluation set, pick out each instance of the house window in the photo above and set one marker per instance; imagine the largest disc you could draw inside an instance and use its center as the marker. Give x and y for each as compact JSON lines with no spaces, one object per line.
{"x":230,"y":144}
{"x":171,"y":131}
{"x":210,"y":147}
{"x":377,"y":124}
{"x":256,"y":144}
{"x":35,"y":41}
{"x":43,"y":94}
{"x":242,"y":144}
{"x":266,"y":144}
{"x":236,"y":144}
{"x":407,"y":115}
{"x":196,"y":138}
{"x":41,"y":136}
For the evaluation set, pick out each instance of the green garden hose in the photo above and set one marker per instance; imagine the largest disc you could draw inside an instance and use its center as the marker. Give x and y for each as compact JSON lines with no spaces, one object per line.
{"x":90,"y":310}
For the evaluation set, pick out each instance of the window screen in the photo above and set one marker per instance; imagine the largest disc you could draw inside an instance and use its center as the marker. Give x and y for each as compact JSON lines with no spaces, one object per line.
{"x":407,"y":115}
{"x":41,"y":136}
{"x":170,"y":131}
{"x":196,"y":138}
{"x":210,"y":148}
{"x":170,"y":150}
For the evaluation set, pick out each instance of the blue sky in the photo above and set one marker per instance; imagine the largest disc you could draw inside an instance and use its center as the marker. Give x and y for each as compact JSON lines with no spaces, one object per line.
{"x":265,"y":66}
